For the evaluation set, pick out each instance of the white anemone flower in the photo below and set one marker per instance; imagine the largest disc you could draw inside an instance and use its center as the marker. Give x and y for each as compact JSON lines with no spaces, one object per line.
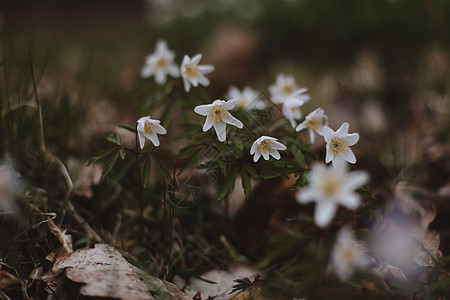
{"x":266,"y":146}
{"x":248,"y":98}
{"x":329,"y":187}
{"x":348,"y":255}
{"x":314,"y":122}
{"x":160,"y":64}
{"x":338,"y":145}
{"x":149,"y":128}
{"x":10,"y":187}
{"x":285,"y":87}
{"x":291,"y":110}
{"x":193,"y":73}
{"x":218,"y":115}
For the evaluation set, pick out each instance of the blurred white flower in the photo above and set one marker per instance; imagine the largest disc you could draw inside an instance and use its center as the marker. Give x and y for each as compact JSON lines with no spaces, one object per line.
{"x":266,"y":146}
{"x":284,"y":88}
{"x":314,"y":122}
{"x":10,"y":187}
{"x":291,"y":110}
{"x":348,"y":254}
{"x":193,"y":73}
{"x":149,"y":128}
{"x":330,"y":186}
{"x":160,"y":64}
{"x":248,"y":98}
{"x":217,"y":115}
{"x":338,"y":145}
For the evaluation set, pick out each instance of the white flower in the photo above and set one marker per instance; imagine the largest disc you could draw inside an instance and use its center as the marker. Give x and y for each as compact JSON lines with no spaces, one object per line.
{"x":217,"y":115}
{"x":193,"y":73}
{"x":330,"y":186}
{"x":148,"y":128}
{"x":266,"y":146}
{"x":314,"y":122}
{"x":284,"y":88}
{"x":338,"y":145}
{"x":10,"y":187}
{"x":291,"y":110}
{"x":348,"y":254}
{"x":248,"y":98}
{"x":160,"y":64}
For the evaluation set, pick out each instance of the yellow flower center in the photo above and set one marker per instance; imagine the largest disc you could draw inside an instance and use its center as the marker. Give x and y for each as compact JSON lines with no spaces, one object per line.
{"x":338,"y":145}
{"x":218,"y":113}
{"x":330,"y":186}
{"x":287,"y":89}
{"x":347,"y":255}
{"x":293,"y":109}
{"x":149,"y":127}
{"x":313,"y":123}
{"x":161,"y":62}
{"x":265,"y":145}
{"x":191,"y":71}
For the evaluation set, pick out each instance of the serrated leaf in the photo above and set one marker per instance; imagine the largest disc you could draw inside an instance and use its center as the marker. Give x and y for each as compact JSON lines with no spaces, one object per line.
{"x":227,"y":185}
{"x":128,"y":127}
{"x":109,"y":164}
{"x":246,"y":184}
{"x":100,"y":154}
{"x":163,"y":168}
{"x":122,"y":153}
{"x":146,"y":171}
{"x":114,"y":138}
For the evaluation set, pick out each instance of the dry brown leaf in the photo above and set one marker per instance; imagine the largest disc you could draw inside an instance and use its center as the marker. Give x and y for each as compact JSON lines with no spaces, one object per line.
{"x":106,"y":273}
{"x":65,"y":240}
{"x":7,"y":279}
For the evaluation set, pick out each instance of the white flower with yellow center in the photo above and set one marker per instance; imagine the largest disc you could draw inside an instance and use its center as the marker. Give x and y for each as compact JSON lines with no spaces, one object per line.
{"x":266,"y":146}
{"x":193,"y":73}
{"x":248,"y":98}
{"x":149,"y":128}
{"x":338,"y":145}
{"x":329,"y":187}
{"x":348,"y":255}
{"x":314,"y":122}
{"x":160,"y":64}
{"x":217,"y":115}
{"x":285,"y":87}
{"x":291,"y":110}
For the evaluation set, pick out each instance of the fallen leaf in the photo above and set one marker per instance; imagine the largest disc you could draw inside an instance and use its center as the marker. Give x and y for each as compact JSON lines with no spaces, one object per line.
{"x":7,"y":279}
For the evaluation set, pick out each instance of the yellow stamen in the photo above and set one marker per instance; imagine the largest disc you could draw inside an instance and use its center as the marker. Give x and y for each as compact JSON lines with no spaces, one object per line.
{"x":338,"y":145}
{"x":161,"y":62}
{"x":287,"y":89}
{"x":313,"y":123}
{"x":149,"y":127}
{"x":330,"y":186}
{"x":191,"y":71}
{"x":218,"y":113}
{"x":265,"y":145}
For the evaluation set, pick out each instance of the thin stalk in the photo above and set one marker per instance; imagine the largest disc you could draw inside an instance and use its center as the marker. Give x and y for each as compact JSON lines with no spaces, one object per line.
{"x":41,"y":122}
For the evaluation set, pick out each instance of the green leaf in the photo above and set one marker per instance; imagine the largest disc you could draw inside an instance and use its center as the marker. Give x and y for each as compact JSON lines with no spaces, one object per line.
{"x":100,"y":154}
{"x":163,"y":168}
{"x":128,"y":127}
{"x":246,"y":184}
{"x":250,"y":170}
{"x":114,"y":138}
{"x":146,"y":171}
{"x":298,"y":155}
{"x":109,"y":164}
{"x":278,"y":171}
{"x":238,"y":143}
{"x":227,"y":185}
{"x":122,"y":153}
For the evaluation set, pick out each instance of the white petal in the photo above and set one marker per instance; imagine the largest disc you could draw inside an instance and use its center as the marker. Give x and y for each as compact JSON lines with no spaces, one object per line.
{"x":274,"y":153}
{"x":160,"y":77}
{"x":327,"y":133}
{"x":348,"y":156}
{"x":253,"y":148}
{"x":230,"y":104}
{"x":301,"y":126}
{"x":233,"y":121}
{"x":153,"y":138}
{"x":203,"y":110}
{"x":208,"y":124}
{"x":306,"y":195}
{"x":220,"y":128}
{"x":159,"y":129}
{"x":355,"y":179}
{"x":202,"y":80}
{"x":343,"y":130}
{"x":324,"y":213}
{"x":265,"y":154}
{"x":257,"y":156}
{"x":205,"y":69}
{"x":187,"y":84}
{"x":278,"y":146}
{"x":351,"y":201}
{"x":186,"y":60}
{"x":141,"y":139}
{"x":330,"y":155}
{"x":351,"y":139}
{"x":146,"y":71}
{"x":339,"y":162}
{"x":311,"y":135}
{"x":196,"y":59}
